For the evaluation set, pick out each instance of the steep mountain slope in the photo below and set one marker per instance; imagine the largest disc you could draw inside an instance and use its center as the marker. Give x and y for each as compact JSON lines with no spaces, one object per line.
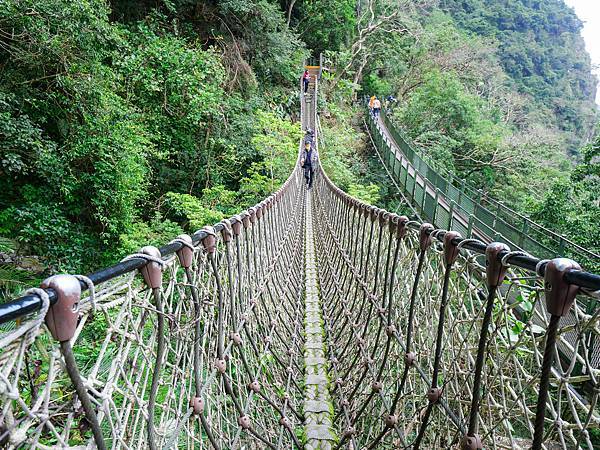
{"x":540,"y":47}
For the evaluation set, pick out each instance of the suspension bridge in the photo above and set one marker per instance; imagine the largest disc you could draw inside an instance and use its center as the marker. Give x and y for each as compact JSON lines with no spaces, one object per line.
{"x":310,"y":320}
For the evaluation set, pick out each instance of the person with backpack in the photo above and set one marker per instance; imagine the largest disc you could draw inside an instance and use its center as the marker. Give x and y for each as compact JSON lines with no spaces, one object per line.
{"x":306,"y":162}
{"x":305,"y":80}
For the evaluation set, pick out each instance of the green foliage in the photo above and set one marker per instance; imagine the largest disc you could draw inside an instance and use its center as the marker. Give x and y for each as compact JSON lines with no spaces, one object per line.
{"x":189,"y":211}
{"x":157,"y":232}
{"x":572,"y":207}
{"x":367,"y":193}
{"x":102,"y":120}
{"x":541,"y":49}
{"x":326,"y":25}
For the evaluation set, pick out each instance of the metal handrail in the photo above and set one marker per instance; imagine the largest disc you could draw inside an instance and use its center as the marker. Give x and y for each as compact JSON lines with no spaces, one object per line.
{"x":473,"y":202}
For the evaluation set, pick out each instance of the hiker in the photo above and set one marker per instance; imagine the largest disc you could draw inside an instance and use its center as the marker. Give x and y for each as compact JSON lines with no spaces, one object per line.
{"x":305,"y":80}
{"x":371,"y":101}
{"x":309,"y":136}
{"x":307,"y":163}
{"x":376,"y":107}
{"x":390,"y":101}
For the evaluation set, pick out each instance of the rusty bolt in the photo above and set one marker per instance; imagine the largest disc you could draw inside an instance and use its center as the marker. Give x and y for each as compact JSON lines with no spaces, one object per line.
{"x":410,"y":358}
{"x":244,"y":422}
{"x":220,"y":365}
{"x":285,"y":422}
{"x":197,"y":405}
{"x":434,"y":395}
{"x":471,"y":443}
{"x":237,"y":339}
{"x":349,"y":432}
{"x":391,"y":420}
{"x":254,"y":386}
{"x":377,"y":386}
{"x":390,"y":330}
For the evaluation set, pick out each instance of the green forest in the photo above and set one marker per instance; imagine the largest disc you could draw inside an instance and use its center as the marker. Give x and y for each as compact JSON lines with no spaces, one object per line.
{"x":125,"y":123}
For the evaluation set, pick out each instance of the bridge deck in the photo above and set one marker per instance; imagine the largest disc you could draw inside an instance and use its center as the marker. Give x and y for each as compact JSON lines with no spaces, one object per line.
{"x":318,"y":408}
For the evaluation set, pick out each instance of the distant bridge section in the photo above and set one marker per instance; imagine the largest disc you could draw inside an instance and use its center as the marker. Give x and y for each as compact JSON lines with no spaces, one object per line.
{"x":450,"y":203}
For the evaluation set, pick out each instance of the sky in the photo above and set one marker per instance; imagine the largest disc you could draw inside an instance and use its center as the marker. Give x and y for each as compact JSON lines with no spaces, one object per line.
{"x":589,"y":12}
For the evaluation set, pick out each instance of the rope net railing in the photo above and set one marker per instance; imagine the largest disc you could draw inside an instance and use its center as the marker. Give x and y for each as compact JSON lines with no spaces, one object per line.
{"x":204,"y":352}
{"x":436,"y":346}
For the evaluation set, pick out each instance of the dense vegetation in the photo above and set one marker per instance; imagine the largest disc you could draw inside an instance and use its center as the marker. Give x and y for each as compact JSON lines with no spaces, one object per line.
{"x":119,"y":132}
{"x":124,"y":123}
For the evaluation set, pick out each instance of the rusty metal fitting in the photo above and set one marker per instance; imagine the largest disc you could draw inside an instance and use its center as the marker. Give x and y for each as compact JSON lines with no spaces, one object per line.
{"x":252,"y":215}
{"x":360,"y":341}
{"x":349,"y":432}
{"x":286,"y":395}
{"x":339,"y":381}
{"x":559,"y":294}
{"x":237,"y":339}
{"x":390,"y":330}
{"x":471,"y":443}
{"x":237,"y":225}
{"x":289,"y":352}
{"x":345,"y":403}
{"x":410,"y":358}
{"x":391,"y":420}
{"x":377,"y":386}
{"x":244,"y":422}
{"x":226,"y":231}
{"x":425,"y":238}
{"x":210,"y":240}
{"x":434,"y":395}
{"x":185,"y":254}
{"x":268,"y":339}
{"x":245,"y":219}
{"x":274,"y":323}
{"x":494,"y":269}
{"x":285,"y":422}
{"x":254,"y":386}
{"x":381,"y":310}
{"x":61,"y":318}
{"x":197,"y":404}
{"x":451,"y":250}
{"x":152,"y":271}
{"x":220,"y":365}
{"x":399,"y":223}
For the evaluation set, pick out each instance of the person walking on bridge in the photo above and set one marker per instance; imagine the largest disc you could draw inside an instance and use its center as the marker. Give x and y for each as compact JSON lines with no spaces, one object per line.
{"x":307,"y":162}
{"x":376,"y":107}
{"x":305,"y":80}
